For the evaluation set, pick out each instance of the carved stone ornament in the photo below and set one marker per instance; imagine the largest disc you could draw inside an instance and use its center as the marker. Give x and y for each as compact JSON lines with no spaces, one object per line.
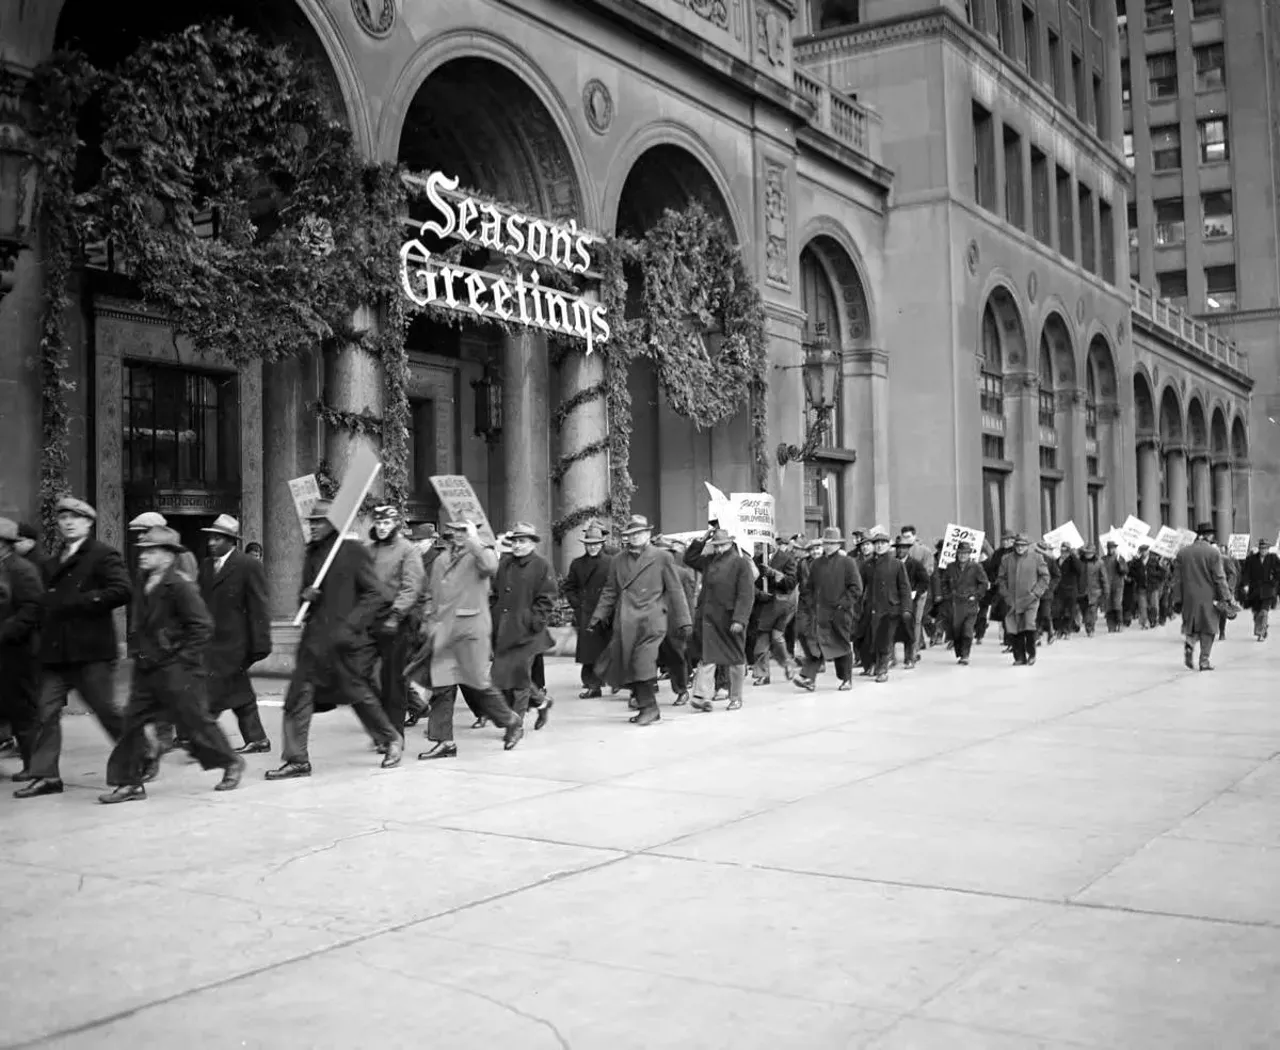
{"x":771,"y":36}
{"x":376,"y":17}
{"x":775,"y":220}
{"x":1033,"y":285}
{"x":1121,"y":329}
{"x":972,"y":257}
{"x":714,"y":11}
{"x":598,"y":104}
{"x":1080,"y":311}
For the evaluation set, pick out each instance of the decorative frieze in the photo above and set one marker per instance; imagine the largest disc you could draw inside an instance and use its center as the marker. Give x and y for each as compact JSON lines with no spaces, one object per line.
{"x":777,"y":253}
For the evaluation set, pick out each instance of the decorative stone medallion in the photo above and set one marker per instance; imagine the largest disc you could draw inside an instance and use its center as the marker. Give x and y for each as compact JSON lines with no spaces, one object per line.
{"x":598,"y":104}
{"x":1033,"y":285}
{"x":1121,"y":329}
{"x":1080,"y":311}
{"x":376,"y":17}
{"x":972,"y":257}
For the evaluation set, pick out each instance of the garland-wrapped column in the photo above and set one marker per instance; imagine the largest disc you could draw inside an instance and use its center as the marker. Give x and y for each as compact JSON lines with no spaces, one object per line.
{"x":353,"y":387}
{"x":584,"y":438}
{"x":284,"y":458}
{"x":526,"y":425}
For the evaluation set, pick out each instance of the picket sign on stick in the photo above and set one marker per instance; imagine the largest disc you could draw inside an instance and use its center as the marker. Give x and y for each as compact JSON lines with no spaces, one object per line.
{"x":1238,"y":545}
{"x":305,"y":492}
{"x":359,"y":478}
{"x":952,"y":538}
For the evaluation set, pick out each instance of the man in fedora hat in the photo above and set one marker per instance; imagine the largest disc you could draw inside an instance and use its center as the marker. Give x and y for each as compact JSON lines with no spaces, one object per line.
{"x":964,"y":585}
{"x":399,"y":568}
{"x":775,"y":608}
{"x":457,"y":642}
{"x":918,"y":579}
{"x":588,"y":573}
{"x":524,"y":597}
{"x":234,"y":589}
{"x":723,"y":611}
{"x":187,"y":562}
{"x":84,"y":586}
{"x":1024,"y":578}
{"x":833,"y":594}
{"x":886,"y":599}
{"x":1199,"y":586}
{"x":21,"y":595}
{"x":642,"y":602}
{"x":1260,"y":584}
{"x":337,"y":653}
{"x":1117,"y":571}
{"x":171,"y":633}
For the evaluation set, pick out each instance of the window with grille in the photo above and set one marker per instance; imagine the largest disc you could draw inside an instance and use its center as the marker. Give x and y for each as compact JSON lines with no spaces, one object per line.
{"x":1170,"y":227}
{"x":1213,"y":140}
{"x":992,"y":446}
{"x":1211,"y":68}
{"x":1220,"y":287}
{"x":991,"y":393}
{"x":1218,"y":221}
{"x":1166,"y":148}
{"x":176,"y":430}
{"x":1162,"y":76}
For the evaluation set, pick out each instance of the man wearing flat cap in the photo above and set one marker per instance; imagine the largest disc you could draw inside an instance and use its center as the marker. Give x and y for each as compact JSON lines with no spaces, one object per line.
{"x":21,"y":597}
{"x":234,"y":588}
{"x":1260,"y":584}
{"x":171,"y":632}
{"x":1024,"y":578}
{"x":524,"y":597}
{"x":1199,"y":591}
{"x":1117,"y":572}
{"x":84,"y":585}
{"x":964,"y":585}
{"x":582,"y":586}
{"x":886,"y":601}
{"x":833,"y":599}
{"x":400,"y":569}
{"x":723,"y":611}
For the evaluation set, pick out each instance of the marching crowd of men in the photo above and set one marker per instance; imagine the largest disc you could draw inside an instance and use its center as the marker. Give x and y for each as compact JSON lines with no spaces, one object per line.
{"x":396,"y":626}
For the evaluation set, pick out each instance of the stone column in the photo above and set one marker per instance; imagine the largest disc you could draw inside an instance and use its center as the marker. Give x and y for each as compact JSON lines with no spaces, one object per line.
{"x":785,"y":327}
{"x":1175,"y":467}
{"x":1201,"y":482}
{"x":283,"y":399}
{"x":353,"y":383}
{"x":1025,"y":446}
{"x":586,"y":482}
{"x":1222,"y":496}
{"x":526,"y":449}
{"x":1114,"y":504}
{"x":1071,"y":422}
{"x":866,"y":423}
{"x":1149,"y":481}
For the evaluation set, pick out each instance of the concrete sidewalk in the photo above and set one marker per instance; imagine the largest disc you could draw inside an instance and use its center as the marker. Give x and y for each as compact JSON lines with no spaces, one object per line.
{"x":1081,"y":854}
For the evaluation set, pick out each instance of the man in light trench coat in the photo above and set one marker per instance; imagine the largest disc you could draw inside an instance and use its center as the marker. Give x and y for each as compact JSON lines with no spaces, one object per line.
{"x":1024,"y":577}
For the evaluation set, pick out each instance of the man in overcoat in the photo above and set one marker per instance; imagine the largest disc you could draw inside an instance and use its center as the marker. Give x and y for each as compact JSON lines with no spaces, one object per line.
{"x":1071,"y":585}
{"x":1139,"y":574}
{"x":1259,"y":584}
{"x":886,"y":599}
{"x":918,"y":580}
{"x":234,"y":589}
{"x":21,"y":609}
{"x":642,"y":602}
{"x":399,"y":568}
{"x":171,"y":633}
{"x":673,"y":654}
{"x":84,"y":586}
{"x":1199,"y":582}
{"x":1024,"y":578}
{"x":457,"y":642}
{"x":964,"y":584}
{"x":337,"y":653}
{"x":834,"y":596}
{"x":728,"y":592}
{"x":586,"y":578}
{"x":1095,"y":589}
{"x":1044,"y":614}
{"x":524,"y":597}
{"x":1230,"y":569}
{"x":1117,"y":570}
{"x":774,"y":609}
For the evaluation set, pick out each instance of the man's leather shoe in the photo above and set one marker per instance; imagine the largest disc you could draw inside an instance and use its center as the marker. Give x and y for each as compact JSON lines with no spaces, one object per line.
{"x":124,"y":793}
{"x":1188,"y":657}
{"x":231,"y":776}
{"x":543,"y":712}
{"x":441,"y":750}
{"x":289,"y":771}
{"x":681,"y":700}
{"x":39,"y":787}
{"x":22,"y":776}
{"x":883,"y":676}
{"x":845,"y":685}
{"x":590,"y":694}
{"x":392,"y":755}
{"x":479,"y":723}
{"x":648,"y":716}
{"x":256,"y":747}
{"x":801,"y":682}
{"x":513,"y":735}
{"x":152,"y":769}
{"x":699,"y":704}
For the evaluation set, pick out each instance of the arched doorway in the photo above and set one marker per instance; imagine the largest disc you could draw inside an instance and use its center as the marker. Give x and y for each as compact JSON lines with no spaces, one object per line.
{"x":1101,"y":417}
{"x":477,"y":120}
{"x":1240,"y":475}
{"x":1150,"y":467}
{"x":1057,"y":375}
{"x":1220,"y":463}
{"x":1003,"y":351}
{"x":1173,"y":486}
{"x":836,"y":488}
{"x":670,"y":457}
{"x":1199,"y":480}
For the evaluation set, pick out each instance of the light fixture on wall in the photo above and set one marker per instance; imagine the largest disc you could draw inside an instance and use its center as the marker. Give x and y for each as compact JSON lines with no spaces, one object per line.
{"x":19,"y":179}
{"x":822,"y":374}
{"x":488,"y":390}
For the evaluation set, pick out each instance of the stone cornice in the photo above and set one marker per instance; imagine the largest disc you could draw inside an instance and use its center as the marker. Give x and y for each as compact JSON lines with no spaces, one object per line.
{"x":810,"y":137}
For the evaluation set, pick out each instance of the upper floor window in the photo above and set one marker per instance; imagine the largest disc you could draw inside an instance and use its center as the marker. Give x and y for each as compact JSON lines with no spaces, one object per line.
{"x":1213,"y":140}
{"x":1126,"y":84}
{"x":1173,"y":286}
{"x":1217,"y":215}
{"x":1133,"y":226}
{"x":1220,"y":287}
{"x":1205,"y":8}
{"x":832,"y":14}
{"x":1211,"y":67}
{"x":1170,"y":228}
{"x":1162,"y":76}
{"x":1055,"y":65}
{"x":1078,"y":87}
{"x":1005,"y":36}
{"x":1166,"y":148}
{"x":1159,"y":13}
{"x":1031,"y":42}
{"x":984,"y":158}
{"x":1129,"y":157}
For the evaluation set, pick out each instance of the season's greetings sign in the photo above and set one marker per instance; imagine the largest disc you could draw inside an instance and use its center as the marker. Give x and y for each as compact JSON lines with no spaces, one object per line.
{"x":517,"y":298}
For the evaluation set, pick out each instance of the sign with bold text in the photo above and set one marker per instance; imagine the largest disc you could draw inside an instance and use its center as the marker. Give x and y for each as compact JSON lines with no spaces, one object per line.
{"x":305,"y":491}
{"x":953,"y":537}
{"x":459,"y":499}
{"x":1238,"y":545}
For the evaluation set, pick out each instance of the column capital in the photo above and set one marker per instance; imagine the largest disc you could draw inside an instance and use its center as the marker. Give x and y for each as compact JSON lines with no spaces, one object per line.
{"x":1109,"y":413}
{"x":1147,"y":439}
{"x":1069,"y":400}
{"x":1175,"y":448}
{"x":1022,"y":382}
{"x":1222,"y":461}
{"x":1198,"y":455}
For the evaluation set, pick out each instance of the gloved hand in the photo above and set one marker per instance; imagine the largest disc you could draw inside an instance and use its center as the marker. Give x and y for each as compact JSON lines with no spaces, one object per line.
{"x":310,"y":594}
{"x":594,"y":625}
{"x":684,"y":632}
{"x":736,"y":628}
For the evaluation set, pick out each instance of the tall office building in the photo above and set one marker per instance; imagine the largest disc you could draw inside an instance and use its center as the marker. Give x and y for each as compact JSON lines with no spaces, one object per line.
{"x":1198,"y":81}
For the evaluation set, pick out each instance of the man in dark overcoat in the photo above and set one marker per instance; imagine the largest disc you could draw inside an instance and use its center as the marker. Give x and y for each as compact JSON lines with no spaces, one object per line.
{"x":1198,"y":583}
{"x":1117,"y":570}
{"x":964,"y":585}
{"x":918,"y":577}
{"x":775,"y":607}
{"x":1095,"y":588}
{"x":1138,"y":576}
{"x":1071,"y":584}
{"x":399,"y":568}
{"x":170,"y":635}
{"x":673,"y":654}
{"x":885,"y":601}
{"x":1259,"y":585}
{"x":642,"y":602}
{"x":724,"y":608}
{"x":834,"y":596}
{"x":1024,"y":578}
{"x":21,"y":609}
{"x":84,"y":586}
{"x":337,"y":654}
{"x":993,"y":607}
{"x":1044,"y":613}
{"x":586,"y":578}
{"x":524,"y":597}
{"x":234,"y":589}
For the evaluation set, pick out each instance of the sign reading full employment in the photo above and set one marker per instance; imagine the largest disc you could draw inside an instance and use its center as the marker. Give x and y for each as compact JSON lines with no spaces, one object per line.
{"x":953,"y":537}
{"x":754,"y":518}
{"x":1238,"y":545}
{"x":459,"y":499}
{"x":305,"y":492}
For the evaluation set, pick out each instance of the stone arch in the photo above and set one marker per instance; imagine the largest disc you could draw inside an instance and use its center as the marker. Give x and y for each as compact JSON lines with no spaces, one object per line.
{"x":538,"y":126}
{"x":1100,"y":363}
{"x":1197,"y":426}
{"x":1239,"y":440}
{"x":1057,"y":351}
{"x":665,"y":133}
{"x":853,"y":267}
{"x":1171,"y":426}
{"x":1219,"y":441}
{"x":1000,"y":307}
{"x":850,"y":292}
{"x":1144,"y":405}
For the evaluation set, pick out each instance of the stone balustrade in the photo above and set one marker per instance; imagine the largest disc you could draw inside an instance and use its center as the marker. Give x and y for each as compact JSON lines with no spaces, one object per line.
{"x":1186,"y":330}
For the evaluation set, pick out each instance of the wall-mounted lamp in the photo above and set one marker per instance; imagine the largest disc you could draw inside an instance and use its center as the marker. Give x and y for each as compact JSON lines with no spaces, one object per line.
{"x":488,"y":390}
{"x":822,"y":373}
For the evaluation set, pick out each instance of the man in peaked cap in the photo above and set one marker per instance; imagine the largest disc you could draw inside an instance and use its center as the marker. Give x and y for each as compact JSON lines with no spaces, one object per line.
{"x":84,"y":586}
{"x":171,"y":633}
{"x":1024,"y":578}
{"x":400,"y":569}
{"x":586,"y":578}
{"x":234,"y":588}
